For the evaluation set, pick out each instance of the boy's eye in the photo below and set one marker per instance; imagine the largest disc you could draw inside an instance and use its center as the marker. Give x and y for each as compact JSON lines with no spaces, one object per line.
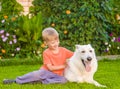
{"x":56,"y":38}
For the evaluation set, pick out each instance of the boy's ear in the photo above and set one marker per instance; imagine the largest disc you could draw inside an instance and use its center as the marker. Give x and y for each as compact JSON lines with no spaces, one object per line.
{"x":45,"y":43}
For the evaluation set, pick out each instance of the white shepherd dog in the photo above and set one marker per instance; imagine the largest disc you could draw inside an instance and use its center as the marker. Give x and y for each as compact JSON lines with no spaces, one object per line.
{"x":82,"y":66}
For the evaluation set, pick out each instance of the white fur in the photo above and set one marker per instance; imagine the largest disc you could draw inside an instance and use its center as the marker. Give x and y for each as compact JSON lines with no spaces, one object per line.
{"x":76,"y":70}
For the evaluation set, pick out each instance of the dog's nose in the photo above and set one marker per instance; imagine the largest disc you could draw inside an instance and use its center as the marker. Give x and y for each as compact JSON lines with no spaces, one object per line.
{"x":89,"y":58}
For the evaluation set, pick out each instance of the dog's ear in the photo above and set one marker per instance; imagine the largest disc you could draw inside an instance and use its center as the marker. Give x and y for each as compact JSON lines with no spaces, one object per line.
{"x":89,"y":45}
{"x":77,"y":46}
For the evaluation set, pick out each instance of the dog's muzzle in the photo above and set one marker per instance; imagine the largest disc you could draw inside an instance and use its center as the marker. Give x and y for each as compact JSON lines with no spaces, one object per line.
{"x":87,"y":63}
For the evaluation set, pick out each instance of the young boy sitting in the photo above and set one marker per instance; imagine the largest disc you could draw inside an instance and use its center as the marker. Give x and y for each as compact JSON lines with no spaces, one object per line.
{"x":54,"y":62}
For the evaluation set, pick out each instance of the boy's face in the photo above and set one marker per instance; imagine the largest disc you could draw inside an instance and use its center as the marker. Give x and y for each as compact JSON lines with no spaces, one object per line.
{"x":53,"y":43}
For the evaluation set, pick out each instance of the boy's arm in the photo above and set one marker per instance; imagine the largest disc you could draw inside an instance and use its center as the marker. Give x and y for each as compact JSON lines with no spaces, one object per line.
{"x":52,"y":68}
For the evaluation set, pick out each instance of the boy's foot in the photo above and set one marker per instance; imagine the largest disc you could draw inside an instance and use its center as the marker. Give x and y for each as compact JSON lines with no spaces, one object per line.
{"x":8,"y":81}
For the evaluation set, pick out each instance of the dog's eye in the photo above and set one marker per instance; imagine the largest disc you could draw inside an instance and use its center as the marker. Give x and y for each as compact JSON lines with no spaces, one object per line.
{"x":90,"y":50}
{"x":82,"y":51}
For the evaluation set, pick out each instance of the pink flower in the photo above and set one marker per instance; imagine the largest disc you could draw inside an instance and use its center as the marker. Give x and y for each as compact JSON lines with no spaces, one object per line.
{"x":2,"y":31}
{"x":2,"y":21}
{"x":110,"y":34}
{"x":17,"y":49}
{"x":5,"y":39}
{"x":10,"y":42}
{"x":14,"y":36}
{"x":15,"y":40}
{"x":2,"y":36}
{"x":7,"y":34}
{"x":117,"y":39}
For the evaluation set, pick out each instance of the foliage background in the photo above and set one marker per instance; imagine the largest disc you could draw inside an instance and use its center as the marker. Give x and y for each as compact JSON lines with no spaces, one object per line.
{"x":10,"y":7}
{"x":78,"y":22}
{"x":20,"y":36}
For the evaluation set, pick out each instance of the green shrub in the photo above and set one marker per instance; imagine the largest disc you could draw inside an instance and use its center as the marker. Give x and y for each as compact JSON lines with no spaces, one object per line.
{"x":78,"y":22}
{"x":20,"y":36}
{"x":10,"y":7}
{"x":113,"y":44}
{"x":19,"y":61}
{"x":29,"y":35}
{"x":9,"y":13}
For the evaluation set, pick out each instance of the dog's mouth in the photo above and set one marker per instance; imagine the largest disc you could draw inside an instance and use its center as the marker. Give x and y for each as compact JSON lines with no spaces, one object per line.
{"x":87,"y":65}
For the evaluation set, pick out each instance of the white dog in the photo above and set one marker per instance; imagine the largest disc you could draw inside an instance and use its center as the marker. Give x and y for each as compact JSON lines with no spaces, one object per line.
{"x":82,"y":65}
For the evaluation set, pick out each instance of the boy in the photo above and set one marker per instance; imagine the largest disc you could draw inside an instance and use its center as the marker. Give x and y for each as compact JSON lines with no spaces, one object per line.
{"x":54,"y":62}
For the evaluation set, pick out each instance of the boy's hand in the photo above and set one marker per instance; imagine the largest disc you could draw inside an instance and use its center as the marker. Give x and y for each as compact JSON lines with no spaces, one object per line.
{"x":52,"y":68}
{"x":65,"y":65}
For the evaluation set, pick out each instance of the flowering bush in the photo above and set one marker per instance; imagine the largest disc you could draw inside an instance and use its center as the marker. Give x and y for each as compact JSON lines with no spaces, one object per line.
{"x":113,"y":46}
{"x":78,"y":22}
{"x":8,"y":45}
{"x":20,"y":36}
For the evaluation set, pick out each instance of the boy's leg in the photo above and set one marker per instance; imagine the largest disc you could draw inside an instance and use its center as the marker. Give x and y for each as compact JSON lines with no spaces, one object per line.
{"x":32,"y":77}
{"x":55,"y":79}
{"x":50,"y":77}
{"x":41,"y":75}
{"x":29,"y":77}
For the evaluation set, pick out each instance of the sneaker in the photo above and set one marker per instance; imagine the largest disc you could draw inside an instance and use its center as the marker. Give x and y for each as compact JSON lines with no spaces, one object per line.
{"x":8,"y":81}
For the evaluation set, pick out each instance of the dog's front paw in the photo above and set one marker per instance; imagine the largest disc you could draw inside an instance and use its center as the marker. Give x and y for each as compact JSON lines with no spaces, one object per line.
{"x":99,"y":85}
{"x":103,"y":86}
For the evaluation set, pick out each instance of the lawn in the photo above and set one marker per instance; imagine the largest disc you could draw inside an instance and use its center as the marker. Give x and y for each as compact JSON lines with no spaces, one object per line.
{"x":108,"y":74}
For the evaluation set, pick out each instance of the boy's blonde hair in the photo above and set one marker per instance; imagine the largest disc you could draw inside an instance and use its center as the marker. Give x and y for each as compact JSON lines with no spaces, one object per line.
{"x":49,"y":32}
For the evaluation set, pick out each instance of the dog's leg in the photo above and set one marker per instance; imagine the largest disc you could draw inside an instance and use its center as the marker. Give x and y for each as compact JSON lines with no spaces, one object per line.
{"x":79,"y":79}
{"x":96,"y":83}
{"x":74,"y":74}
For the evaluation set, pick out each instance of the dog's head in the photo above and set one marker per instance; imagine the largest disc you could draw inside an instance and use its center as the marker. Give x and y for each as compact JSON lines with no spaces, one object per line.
{"x":86,"y":55}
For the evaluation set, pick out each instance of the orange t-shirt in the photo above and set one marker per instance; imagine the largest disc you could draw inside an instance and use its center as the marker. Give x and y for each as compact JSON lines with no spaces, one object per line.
{"x":56,"y":59}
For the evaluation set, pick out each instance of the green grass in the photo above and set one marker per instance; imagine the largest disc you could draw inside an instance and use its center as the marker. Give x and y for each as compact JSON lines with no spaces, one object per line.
{"x":108,"y":74}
